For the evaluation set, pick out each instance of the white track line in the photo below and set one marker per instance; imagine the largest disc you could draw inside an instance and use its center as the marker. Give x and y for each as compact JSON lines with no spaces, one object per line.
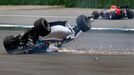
{"x":38,"y":16}
{"x":104,"y":52}
{"x":99,"y":29}
{"x":114,"y":29}
{"x":15,"y":26}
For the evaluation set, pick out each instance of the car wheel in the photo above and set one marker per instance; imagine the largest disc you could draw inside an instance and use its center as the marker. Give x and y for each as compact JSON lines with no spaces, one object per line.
{"x":42,"y":27}
{"x":83,"y":23}
{"x":95,"y":14}
{"x":10,"y":43}
{"x":130,"y":14}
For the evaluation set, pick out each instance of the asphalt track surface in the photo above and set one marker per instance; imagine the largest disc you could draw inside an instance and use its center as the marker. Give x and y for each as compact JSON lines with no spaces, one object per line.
{"x":105,"y":52}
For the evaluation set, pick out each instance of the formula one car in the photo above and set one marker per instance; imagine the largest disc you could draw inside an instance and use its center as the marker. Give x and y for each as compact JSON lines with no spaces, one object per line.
{"x":45,"y":36}
{"x":114,"y":12}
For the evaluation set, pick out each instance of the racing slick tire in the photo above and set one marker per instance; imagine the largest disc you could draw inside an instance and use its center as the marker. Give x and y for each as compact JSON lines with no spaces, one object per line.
{"x":95,"y":14}
{"x":130,"y":14}
{"x":42,"y":27}
{"x":10,"y":43}
{"x":83,"y":23}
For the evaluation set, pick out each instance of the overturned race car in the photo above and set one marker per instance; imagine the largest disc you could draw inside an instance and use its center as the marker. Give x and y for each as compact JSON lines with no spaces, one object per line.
{"x":114,"y":12}
{"x":45,"y":36}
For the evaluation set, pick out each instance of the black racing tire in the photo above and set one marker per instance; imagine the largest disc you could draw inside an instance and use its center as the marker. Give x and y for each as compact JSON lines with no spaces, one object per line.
{"x":83,"y":23}
{"x":42,"y":27}
{"x":10,"y":43}
{"x":130,"y":14}
{"x":95,"y":14}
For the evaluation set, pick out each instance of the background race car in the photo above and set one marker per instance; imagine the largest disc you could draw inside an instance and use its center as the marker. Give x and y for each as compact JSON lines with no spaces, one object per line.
{"x":114,"y":12}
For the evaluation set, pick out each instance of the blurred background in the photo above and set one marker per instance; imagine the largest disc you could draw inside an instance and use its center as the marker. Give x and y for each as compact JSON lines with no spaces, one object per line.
{"x":71,"y":3}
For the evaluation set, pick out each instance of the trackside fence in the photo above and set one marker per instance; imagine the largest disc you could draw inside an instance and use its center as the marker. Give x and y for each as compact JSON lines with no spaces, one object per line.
{"x":71,"y":3}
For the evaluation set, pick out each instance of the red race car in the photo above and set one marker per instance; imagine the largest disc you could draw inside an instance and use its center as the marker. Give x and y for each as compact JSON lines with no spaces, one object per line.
{"x":114,"y":12}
